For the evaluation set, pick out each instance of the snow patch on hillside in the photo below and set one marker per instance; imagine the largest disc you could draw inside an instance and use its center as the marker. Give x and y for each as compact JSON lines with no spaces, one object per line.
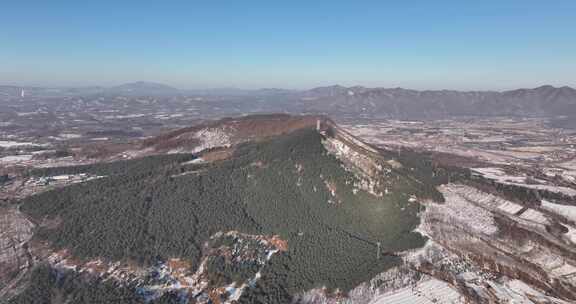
{"x":212,"y":138}
{"x":566,"y":211}
{"x":462,"y":212}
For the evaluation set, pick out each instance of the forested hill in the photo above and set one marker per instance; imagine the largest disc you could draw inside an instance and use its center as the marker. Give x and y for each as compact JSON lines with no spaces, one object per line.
{"x":315,"y":191}
{"x":230,"y":131}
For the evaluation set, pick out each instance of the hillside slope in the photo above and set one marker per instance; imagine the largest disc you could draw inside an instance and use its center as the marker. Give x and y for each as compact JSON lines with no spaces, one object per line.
{"x":331,"y":199}
{"x":291,"y":210}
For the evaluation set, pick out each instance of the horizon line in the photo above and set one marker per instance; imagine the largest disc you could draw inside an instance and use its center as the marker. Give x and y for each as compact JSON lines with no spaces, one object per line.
{"x":274,"y":87}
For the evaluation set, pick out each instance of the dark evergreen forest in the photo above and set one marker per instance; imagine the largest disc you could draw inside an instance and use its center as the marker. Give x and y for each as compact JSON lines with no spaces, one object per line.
{"x":157,"y":207}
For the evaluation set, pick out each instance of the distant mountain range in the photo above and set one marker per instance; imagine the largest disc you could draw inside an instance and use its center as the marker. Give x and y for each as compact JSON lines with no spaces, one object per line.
{"x":356,"y":101}
{"x":404,"y":103}
{"x":142,"y":88}
{"x":138,"y":88}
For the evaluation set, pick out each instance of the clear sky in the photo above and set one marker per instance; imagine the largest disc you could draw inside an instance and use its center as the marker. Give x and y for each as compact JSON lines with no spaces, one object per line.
{"x":464,"y":44}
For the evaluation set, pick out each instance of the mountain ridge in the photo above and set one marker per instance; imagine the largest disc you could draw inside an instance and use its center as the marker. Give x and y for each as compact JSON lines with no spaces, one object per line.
{"x":288,"y":209}
{"x":233,"y":90}
{"x":273,"y":206}
{"x":355,"y":101}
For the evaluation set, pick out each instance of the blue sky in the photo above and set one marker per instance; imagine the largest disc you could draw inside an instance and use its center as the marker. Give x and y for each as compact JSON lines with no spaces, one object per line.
{"x":487,"y":44}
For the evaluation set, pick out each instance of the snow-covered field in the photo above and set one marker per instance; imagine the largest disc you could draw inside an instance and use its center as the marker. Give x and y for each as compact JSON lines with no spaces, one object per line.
{"x":461,"y":212}
{"x":568,"y":212}
{"x":13,"y":144}
{"x":510,"y":207}
{"x":430,"y":291}
{"x":15,"y":158}
{"x":470,"y":210}
{"x":500,"y":176}
{"x":496,"y":141}
{"x":518,"y":292}
{"x":534,"y":216}
{"x":571,"y":235}
{"x":124,"y":116}
{"x":65,"y":136}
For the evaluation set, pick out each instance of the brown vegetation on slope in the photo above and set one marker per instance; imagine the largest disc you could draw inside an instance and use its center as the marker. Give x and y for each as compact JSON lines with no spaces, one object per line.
{"x":253,"y":127}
